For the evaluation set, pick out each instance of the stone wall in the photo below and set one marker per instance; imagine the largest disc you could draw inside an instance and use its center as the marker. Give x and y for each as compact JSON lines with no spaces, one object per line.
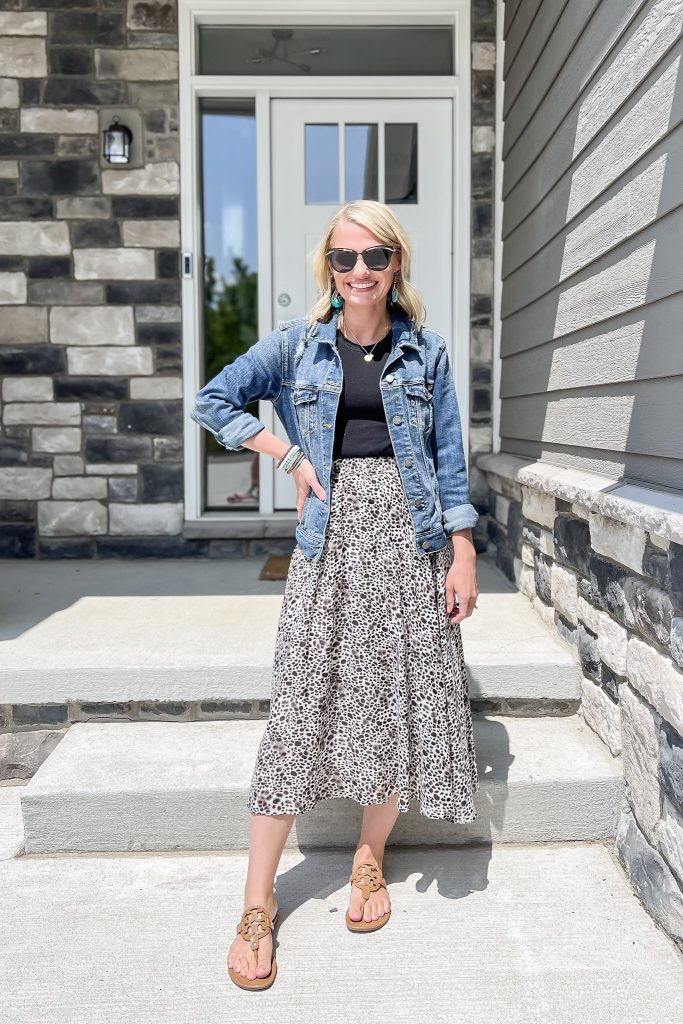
{"x":482,"y":210}
{"x":90,"y":355}
{"x":90,"y":335}
{"x":602,"y":563}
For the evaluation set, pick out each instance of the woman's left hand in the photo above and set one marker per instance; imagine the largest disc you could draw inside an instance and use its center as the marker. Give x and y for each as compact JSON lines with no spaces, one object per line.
{"x":461,"y":584}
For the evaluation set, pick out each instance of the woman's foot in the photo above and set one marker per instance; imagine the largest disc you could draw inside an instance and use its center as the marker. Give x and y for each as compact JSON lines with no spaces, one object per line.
{"x":254,"y":963}
{"x":378,"y":902}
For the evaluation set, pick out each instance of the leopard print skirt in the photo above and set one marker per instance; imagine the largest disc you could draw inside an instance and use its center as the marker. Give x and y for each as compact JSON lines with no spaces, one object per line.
{"x":369,"y":688}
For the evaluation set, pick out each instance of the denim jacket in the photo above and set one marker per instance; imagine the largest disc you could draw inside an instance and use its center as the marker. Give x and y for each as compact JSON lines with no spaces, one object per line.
{"x":299,"y":370}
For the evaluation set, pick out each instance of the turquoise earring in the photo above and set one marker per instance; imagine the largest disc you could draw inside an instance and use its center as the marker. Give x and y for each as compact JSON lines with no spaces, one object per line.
{"x":336,"y":300}
{"x":394,"y":293}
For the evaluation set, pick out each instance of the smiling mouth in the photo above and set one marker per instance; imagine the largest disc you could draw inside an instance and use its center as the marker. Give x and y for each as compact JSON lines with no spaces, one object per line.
{"x":362,"y":287}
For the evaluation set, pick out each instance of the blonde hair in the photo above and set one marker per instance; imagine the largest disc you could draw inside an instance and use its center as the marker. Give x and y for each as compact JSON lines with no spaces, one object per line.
{"x":379,"y":219}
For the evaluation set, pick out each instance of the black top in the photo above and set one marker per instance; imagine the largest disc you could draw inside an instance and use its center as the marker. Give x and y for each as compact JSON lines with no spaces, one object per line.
{"x":361,"y":428}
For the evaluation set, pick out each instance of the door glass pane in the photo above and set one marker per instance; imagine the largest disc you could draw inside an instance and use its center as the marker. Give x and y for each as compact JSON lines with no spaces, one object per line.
{"x":325,"y":50}
{"x":228,"y":176}
{"x":322,"y":163}
{"x":360,"y":162}
{"x":400,"y":163}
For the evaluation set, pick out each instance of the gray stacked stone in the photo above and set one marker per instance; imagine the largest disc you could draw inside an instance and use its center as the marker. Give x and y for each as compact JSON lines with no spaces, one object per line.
{"x":612,"y":588}
{"x":29,"y":732}
{"x":483,"y":86}
{"x":90,"y":349}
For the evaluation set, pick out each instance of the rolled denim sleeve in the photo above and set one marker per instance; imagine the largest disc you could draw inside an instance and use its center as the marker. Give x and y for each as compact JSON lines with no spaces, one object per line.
{"x":447,"y":451}
{"x":256,"y":374}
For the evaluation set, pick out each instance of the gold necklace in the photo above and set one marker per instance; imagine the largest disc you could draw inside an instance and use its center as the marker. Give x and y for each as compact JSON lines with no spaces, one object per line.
{"x":368,"y":355}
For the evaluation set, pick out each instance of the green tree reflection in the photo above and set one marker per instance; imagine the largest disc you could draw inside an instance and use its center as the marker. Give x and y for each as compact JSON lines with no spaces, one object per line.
{"x":230,"y":322}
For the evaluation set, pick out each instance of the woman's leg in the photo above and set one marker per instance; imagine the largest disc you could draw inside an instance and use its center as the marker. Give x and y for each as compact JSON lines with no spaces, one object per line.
{"x":267,"y":837}
{"x":378,"y":821}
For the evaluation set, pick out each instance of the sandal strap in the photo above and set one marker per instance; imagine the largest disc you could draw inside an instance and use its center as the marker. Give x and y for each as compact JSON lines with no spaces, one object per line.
{"x":367,"y":877}
{"x":254,"y":925}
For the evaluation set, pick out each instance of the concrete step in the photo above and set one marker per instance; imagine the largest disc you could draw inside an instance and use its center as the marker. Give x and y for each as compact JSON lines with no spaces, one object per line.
{"x":116,"y":786}
{"x":98,"y":633}
{"x":11,"y":822}
{"x":493,"y":933}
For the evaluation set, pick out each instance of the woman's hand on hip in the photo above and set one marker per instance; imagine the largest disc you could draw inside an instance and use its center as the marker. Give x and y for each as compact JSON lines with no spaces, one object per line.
{"x":306,"y":480}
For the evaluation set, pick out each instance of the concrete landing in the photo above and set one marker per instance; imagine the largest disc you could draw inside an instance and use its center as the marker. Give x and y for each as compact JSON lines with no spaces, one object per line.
{"x":111,"y":631}
{"x":491,"y":934}
{"x":116,"y":786}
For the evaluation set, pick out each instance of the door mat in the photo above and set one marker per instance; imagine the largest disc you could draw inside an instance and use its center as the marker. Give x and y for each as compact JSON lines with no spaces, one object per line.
{"x":275,"y":567}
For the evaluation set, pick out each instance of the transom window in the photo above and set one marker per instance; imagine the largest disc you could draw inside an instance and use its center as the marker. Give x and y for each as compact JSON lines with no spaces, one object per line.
{"x":325,"y":50}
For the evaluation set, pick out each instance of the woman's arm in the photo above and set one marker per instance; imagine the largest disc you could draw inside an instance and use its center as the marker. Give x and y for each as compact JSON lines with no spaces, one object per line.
{"x":304,"y":477}
{"x":447,"y":451}
{"x":461,"y":578}
{"x":255,"y":374}
{"x":459,"y":515}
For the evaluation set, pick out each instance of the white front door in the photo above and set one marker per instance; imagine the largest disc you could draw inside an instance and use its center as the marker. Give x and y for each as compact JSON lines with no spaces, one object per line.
{"x":326,"y":152}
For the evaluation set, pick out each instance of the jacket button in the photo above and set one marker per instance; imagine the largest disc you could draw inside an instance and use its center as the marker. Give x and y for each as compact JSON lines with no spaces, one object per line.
{"x":389,"y":378}
{"x":408,"y":463}
{"x":425,"y":543}
{"x":398,"y":419}
{"x":418,"y":503}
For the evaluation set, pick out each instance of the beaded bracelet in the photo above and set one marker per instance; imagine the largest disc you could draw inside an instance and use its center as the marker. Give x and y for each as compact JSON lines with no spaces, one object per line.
{"x":296,"y":462}
{"x":289,"y":457}
{"x":281,"y":460}
{"x":292,"y":458}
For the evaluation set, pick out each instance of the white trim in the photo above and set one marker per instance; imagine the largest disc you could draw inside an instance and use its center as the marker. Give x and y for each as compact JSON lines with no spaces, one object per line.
{"x":190,"y":224}
{"x":265,"y":280}
{"x":498,"y":227}
{"x":192,"y":87}
{"x":242,"y":525}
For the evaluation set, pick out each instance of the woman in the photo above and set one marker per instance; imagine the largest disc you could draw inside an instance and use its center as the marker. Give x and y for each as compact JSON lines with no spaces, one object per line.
{"x":369,"y":696}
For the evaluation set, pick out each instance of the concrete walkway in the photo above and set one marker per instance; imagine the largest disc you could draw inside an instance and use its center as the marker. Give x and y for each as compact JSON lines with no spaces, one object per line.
{"x":492,"y":934}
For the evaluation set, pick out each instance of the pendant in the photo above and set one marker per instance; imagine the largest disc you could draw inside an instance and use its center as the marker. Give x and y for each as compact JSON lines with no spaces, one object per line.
{"x":368,"y":358}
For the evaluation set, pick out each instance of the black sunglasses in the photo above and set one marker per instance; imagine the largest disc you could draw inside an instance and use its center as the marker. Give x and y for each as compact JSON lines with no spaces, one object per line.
{"x":377,"y":257}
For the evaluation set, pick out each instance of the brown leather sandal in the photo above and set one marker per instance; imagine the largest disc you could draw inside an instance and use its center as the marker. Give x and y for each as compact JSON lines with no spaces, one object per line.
{"x":254,"y":925}
{"x":368,"y":877}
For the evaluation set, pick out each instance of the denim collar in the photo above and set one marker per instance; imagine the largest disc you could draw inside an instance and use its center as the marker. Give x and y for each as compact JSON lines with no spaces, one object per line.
{"x":403,"y":332}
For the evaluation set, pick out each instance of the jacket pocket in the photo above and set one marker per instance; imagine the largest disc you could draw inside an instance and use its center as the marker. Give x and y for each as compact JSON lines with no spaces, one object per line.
{"x":420,"y":405}
{"x":306,"y":405}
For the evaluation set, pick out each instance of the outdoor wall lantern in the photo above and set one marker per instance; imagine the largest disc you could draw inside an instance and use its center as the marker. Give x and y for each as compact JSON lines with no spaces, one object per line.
{"x":117,"y":140}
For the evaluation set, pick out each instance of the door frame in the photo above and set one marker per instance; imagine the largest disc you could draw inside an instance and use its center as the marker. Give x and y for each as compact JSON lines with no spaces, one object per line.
{"x":262,"y":88}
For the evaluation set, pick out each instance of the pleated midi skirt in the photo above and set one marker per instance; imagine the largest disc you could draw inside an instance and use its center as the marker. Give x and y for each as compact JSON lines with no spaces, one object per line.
{"x":369,"y":693}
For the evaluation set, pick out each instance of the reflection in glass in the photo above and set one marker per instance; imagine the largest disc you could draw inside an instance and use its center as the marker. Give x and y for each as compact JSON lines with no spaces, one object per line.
{"x":228,"y":158}
{"x":325,"y":50}
{"x":360,"y":161}
{"x":321,"y":144}
{"x":400,"y":163}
